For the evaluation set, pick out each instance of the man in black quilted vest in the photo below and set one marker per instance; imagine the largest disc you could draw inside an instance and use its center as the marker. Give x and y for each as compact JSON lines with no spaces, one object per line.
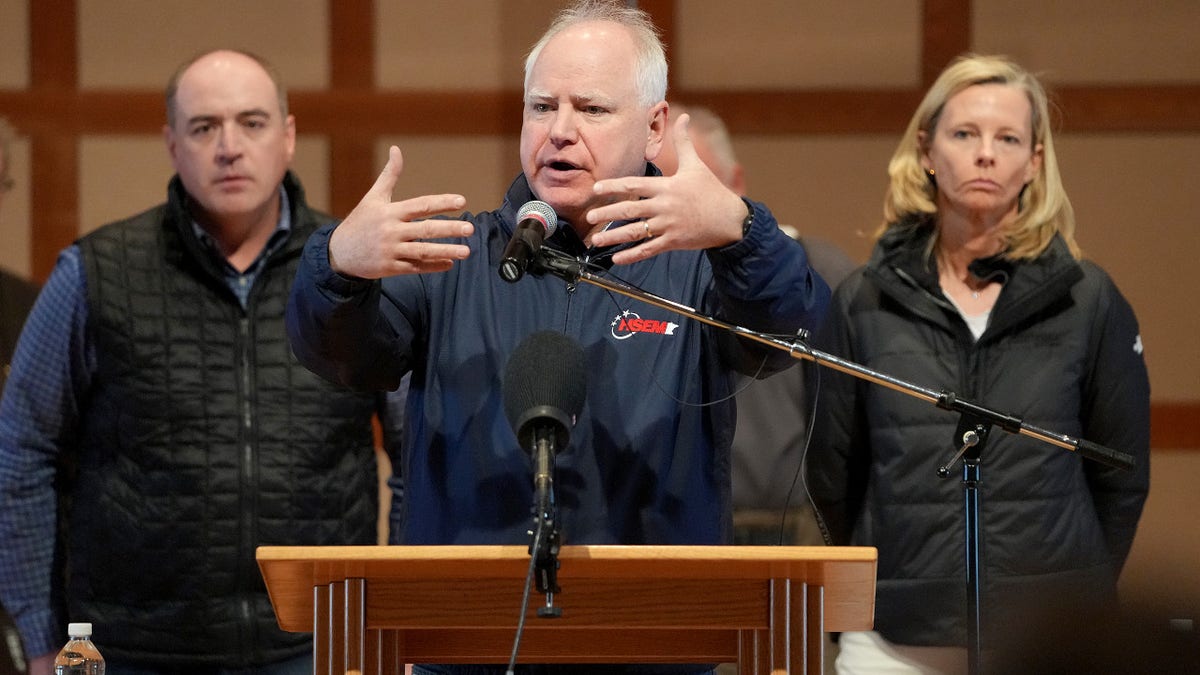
{"x":156,"y":366}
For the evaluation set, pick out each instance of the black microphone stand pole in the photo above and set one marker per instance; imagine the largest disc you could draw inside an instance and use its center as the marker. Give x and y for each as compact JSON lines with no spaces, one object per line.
{"x":972,"y":433}
{"x":975,"y":421}
{"x":572,"y":271}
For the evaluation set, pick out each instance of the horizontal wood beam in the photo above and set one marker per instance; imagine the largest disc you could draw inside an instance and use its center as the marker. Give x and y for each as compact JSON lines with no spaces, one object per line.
{"x":1082,"y":109}
{"x":1128,"y":108}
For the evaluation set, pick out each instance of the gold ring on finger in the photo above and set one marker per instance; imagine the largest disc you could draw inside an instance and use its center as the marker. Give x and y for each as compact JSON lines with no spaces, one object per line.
{"x":646,"y":226}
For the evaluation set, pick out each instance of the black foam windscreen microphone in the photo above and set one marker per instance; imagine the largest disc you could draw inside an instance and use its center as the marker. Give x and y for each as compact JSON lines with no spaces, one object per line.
{"x":545,"y":384}
{"x":536,"y":222}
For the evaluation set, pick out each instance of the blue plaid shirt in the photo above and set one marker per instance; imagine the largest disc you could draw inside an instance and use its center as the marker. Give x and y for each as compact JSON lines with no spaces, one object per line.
{"x":52,"y":371}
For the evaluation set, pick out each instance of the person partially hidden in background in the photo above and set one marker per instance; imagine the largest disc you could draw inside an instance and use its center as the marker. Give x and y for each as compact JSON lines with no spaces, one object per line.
{"x":16,"y":299}
{"x":976,"y":285}
{"x":17,"y":294}
{"x":155,"y":360}
{"x":770,"y":506}
{"x":388,"y":291}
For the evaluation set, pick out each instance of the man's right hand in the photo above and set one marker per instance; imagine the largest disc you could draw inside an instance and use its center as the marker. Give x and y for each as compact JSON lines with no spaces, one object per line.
{"x":383,"y":238}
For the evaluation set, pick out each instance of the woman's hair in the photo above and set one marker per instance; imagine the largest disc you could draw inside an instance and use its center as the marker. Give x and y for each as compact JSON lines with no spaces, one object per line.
{"x":1044,"y":207}
{"x":651,"y":63}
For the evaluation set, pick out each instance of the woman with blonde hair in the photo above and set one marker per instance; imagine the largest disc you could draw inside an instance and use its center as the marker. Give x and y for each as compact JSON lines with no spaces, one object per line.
{"x":976,"y":286}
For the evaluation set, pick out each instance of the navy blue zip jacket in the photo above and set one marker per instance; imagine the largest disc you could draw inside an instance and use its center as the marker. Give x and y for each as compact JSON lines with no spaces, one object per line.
{"x":648,"y":462}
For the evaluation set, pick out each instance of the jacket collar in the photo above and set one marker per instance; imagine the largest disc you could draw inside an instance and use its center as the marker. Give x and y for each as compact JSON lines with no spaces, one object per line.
{"x":177,"y":224}
{"x":903,"y":269}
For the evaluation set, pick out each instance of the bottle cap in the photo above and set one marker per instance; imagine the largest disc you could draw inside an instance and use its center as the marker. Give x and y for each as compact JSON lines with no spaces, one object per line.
{"x":79,"y":629}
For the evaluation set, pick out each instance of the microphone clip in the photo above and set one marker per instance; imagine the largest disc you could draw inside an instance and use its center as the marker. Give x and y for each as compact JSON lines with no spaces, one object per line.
{"x":561,"y":265}
{"x":546,"y":572}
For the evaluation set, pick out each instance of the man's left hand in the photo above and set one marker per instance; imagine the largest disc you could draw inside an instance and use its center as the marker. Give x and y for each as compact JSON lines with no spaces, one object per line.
{"x":687,"y":211}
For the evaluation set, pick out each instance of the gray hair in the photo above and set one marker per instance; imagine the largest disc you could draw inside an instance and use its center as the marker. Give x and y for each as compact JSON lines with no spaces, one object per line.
{"x":651,"y":66}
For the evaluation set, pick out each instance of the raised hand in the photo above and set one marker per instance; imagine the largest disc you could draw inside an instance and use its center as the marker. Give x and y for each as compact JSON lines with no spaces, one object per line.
{"x":383,"y":238}
{"x":689,"y":210}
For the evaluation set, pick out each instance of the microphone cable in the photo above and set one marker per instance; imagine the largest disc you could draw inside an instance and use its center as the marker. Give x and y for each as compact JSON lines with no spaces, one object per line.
{"x":537,"y":540}
{"x":799,"y":477}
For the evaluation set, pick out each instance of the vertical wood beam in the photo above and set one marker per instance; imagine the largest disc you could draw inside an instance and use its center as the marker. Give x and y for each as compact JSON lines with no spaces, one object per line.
{"x":322,"y":630}
{"x":662,"y":12}
{"x":52,"y":47}
{"x":945,"y":33}
{"x":54,"y":161}
{"x":352,"y":67}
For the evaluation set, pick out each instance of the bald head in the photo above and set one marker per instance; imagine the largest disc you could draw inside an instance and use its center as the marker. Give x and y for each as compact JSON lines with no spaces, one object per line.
{"x":216,"y":55}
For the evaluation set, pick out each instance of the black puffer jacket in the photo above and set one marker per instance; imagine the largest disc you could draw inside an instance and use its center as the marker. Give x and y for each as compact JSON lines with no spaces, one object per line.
{"x":1061,"y":352}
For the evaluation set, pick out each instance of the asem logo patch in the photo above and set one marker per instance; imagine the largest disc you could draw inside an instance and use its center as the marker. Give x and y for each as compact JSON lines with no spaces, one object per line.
{"x":627,"y":323}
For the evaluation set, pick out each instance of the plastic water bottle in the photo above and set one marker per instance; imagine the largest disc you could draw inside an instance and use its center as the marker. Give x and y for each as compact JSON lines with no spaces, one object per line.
{"x":79,"y":656}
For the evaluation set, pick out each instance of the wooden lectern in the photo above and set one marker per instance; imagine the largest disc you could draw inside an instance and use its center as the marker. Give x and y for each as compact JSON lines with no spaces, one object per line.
{"x":374,"y":608}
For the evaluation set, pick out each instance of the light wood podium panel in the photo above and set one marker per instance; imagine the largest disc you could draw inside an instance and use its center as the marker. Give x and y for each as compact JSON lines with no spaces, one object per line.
{"x":374,"y":608}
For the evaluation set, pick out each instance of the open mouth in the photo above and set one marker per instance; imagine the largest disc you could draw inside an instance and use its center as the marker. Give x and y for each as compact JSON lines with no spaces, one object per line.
{"x":562,"y":166}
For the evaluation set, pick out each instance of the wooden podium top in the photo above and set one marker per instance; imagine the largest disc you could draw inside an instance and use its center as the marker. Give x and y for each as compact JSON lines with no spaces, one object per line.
{"x":846,"y":574}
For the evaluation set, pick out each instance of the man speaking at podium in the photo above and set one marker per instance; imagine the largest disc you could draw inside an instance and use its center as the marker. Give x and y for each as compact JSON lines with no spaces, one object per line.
{"x":387,"y":291}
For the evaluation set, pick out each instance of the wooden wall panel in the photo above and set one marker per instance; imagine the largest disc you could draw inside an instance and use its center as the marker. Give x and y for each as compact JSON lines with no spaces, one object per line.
{"x":137,"y":44}
{"x":14,"y":45}
{"x":1100,"y":42}
{"x":803,"y":44}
